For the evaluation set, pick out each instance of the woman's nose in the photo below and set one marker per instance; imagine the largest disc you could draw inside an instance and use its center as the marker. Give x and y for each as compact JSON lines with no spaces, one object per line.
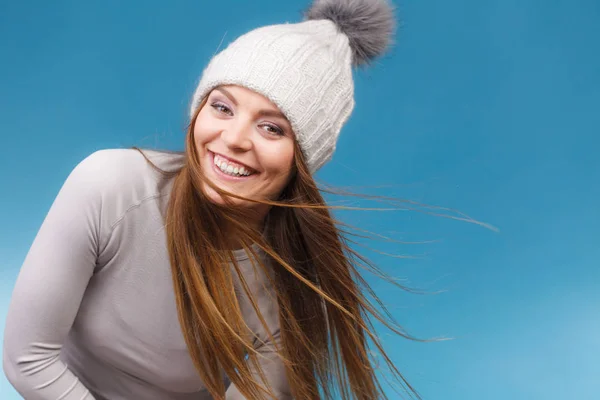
{"x":238,"y":136}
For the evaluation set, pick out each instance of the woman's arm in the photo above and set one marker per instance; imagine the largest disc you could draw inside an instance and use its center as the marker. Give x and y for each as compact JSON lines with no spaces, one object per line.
{"x":50,"y":287}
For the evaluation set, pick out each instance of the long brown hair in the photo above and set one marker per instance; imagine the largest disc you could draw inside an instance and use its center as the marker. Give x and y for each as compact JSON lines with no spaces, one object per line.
{"x":324,"y":313}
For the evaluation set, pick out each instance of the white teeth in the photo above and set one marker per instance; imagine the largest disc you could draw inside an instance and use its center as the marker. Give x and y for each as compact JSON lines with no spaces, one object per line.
{"x":230,"y":169}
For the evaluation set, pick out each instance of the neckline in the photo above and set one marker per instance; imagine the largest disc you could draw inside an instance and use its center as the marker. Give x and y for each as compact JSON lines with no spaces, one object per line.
{"x":241,"y":254}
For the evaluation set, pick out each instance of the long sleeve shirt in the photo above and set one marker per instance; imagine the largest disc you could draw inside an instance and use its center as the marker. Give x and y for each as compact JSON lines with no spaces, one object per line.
{"x":93,"y":312}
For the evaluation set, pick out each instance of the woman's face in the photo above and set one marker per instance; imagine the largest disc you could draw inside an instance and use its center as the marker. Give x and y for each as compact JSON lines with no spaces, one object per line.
{"x":245,"y":145}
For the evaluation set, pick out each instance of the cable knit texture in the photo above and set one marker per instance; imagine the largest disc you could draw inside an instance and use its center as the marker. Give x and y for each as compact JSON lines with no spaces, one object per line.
{"x":306,"y":68}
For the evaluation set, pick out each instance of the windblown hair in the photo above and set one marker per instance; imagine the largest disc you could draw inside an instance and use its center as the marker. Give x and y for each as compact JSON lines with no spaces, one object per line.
{"x":324,"y":313}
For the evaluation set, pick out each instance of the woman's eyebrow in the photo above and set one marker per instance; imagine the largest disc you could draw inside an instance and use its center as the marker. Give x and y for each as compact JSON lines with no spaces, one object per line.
{"x":229,"y":95}
{"x":262,"y":113}
{"x":272,"y":113}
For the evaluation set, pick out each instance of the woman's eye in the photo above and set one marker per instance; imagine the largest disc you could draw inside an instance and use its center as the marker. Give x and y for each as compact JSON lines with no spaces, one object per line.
{"x":222,"y":108}
{"x":273,"y":130}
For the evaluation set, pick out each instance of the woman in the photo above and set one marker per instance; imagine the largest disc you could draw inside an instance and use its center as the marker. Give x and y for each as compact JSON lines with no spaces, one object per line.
{"x":218,"y":272}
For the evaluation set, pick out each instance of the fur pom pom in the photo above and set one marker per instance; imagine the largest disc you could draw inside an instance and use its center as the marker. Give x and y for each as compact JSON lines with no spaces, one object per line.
{"x":369,"y":24}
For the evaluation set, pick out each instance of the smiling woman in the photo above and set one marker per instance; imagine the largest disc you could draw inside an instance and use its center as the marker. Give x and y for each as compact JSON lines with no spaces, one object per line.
{"x":245,"y":146}
{"x":219,"y":272}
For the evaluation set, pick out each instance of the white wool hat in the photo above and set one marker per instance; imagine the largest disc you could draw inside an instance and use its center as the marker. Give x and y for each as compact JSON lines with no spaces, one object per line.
{"x":306,"y":68}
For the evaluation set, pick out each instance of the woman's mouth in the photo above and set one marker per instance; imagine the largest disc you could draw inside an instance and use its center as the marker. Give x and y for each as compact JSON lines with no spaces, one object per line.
{"x":229,"y":169}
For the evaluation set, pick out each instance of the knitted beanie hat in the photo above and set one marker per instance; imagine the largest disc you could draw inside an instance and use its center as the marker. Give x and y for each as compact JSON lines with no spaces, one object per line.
{"x":305,"y":68}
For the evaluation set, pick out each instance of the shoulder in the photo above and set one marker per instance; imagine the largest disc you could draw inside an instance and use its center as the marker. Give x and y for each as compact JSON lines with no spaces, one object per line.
{"x":124,"y":169}
{"x":127,"y":163}
{"x":111,"y":181}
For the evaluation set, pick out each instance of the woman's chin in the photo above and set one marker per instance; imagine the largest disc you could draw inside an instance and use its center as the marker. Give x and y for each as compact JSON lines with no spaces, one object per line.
{"x":214,"y":197}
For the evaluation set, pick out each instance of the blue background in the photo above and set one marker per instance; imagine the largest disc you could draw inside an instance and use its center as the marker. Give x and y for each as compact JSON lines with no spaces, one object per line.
{"x":488,"y":107}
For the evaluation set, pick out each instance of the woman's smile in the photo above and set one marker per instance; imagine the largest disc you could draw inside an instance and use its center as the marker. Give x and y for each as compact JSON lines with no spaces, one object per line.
{"x":228,"y":169}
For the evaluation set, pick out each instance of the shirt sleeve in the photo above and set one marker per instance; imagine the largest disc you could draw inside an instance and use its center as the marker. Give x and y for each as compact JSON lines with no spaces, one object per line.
{"x":50,"y":286}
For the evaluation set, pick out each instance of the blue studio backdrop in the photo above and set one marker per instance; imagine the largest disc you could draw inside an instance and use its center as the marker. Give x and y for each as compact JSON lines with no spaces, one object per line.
{"x":488,"y":107}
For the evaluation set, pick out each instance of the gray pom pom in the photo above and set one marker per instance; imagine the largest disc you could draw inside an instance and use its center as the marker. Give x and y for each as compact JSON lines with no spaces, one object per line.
{"x":369,"y":24}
